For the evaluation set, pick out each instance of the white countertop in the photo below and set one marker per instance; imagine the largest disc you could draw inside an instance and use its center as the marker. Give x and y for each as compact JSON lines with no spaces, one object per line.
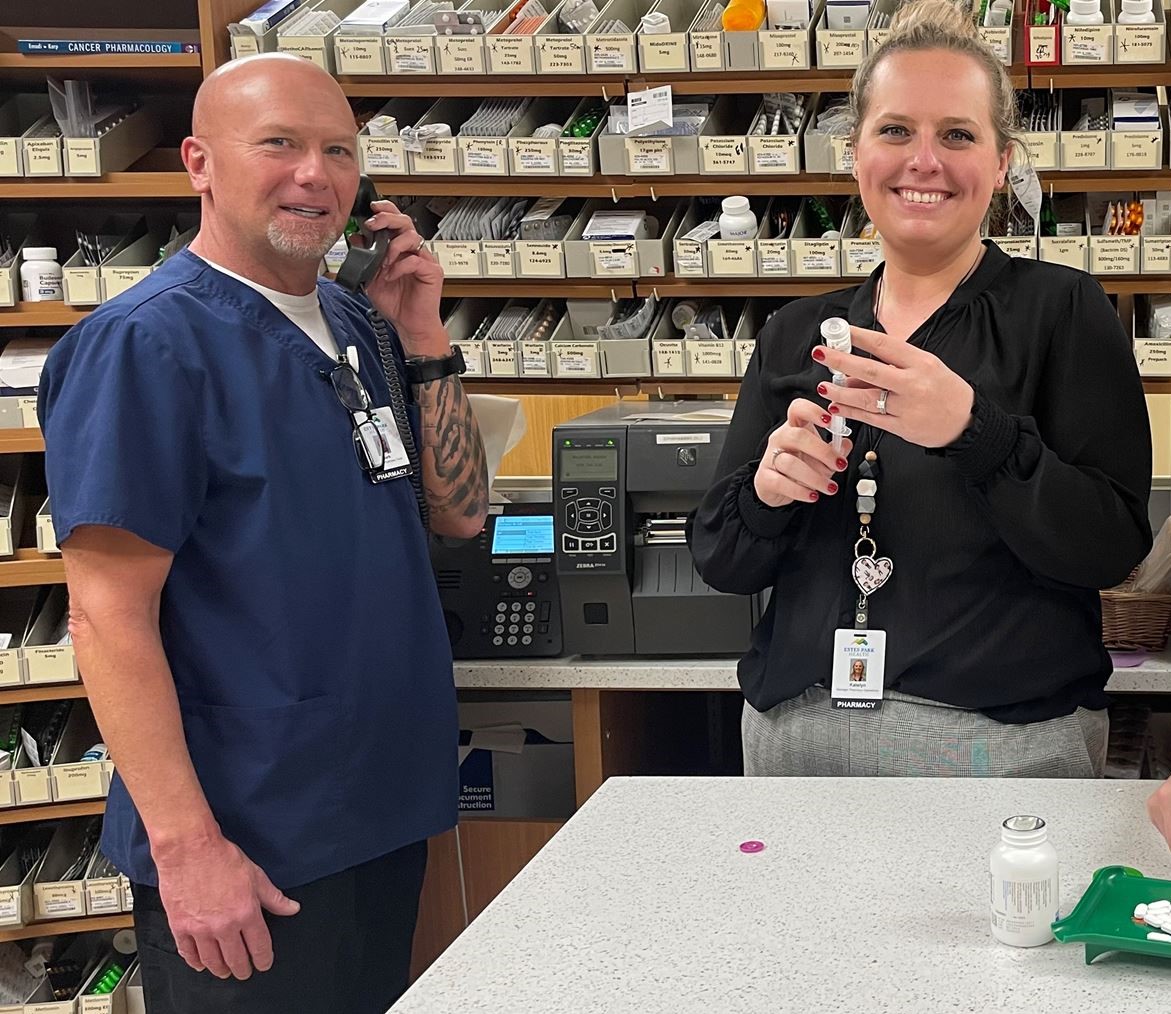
{"x":870,"y":896}
{"x":1153,"y":676}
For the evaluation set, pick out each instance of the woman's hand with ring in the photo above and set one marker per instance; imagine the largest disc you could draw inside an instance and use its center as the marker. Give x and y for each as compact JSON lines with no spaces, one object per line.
{"x":926,"y":403}
{"x":797,"y":464}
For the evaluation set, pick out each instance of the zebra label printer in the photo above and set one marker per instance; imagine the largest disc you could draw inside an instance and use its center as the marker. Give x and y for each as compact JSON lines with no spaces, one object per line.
{"x":624,"y":479}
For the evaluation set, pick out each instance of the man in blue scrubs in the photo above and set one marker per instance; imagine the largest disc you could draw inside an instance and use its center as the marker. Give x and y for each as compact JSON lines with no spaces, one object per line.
{"x":251,"y":600}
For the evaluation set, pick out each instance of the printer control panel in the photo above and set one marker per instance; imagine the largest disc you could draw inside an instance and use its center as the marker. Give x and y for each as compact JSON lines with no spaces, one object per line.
{"x":587,"y":502}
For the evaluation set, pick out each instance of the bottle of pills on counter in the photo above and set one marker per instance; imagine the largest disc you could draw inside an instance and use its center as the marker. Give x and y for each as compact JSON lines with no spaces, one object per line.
{"x":737,"y":220}
{"x":1024,"y":883}
{"x":1136,"y":12}
{"x":1084,"y":12}
{"x":40,"y":275}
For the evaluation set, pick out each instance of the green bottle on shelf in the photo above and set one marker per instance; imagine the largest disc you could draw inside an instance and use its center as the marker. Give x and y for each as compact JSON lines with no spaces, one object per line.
{"x":1048,"y":218}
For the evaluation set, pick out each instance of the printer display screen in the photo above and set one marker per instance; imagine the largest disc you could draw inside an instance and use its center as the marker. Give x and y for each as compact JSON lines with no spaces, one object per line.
{"x":598,"y":464}
{"x":522,"y":535}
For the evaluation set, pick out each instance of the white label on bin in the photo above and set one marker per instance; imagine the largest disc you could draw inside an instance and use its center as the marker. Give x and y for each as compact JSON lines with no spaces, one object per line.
{"x":712,"y":358}
{"x":534,"y":359}
{"x":308,"y":49}
{"x":410,"y":55}
{"x":501,"y":358}
{"x":723,"y":154}
{"x":665,"y":52}
{"x":732,"y":257}
{"x":576,"y":360}
{"x":648,"y":155}
{"x":486,"y":156}
{"x":744,"y":349}
{"x":42,"y":157}
{"x":612,"y":52}
{"x":576,"y":156}
{"x":688,"y":258}
{"x":52,"y":900}
{"x":1153,"y":357}
{"x":384,"y":155}
{"x":862,"y":256}
{"x":840,"y":49}
{"x":614,"y":258}
{"x":1136,"y":149}
{"x":1139,"y":43}
{"x":545,"y":259}
{"x":999,"y":41}
{"x":667,"y":358}
{"x":510,"y":54}
{"x":1042,"y":150}
{"x":560,"y":54}
{"x":1084,"y":47}
{"x":28,"y":413}
{"x":1156,"y":254}
{"x":9,"y":156}
{"x":1114,"y":255}
{"x":81,"y":156}
{"x":245,"y":45}
{"x":707,"y":51}
{"x":537,"y":156}
{"x":359,"y":55}
{"x":818,"y":257}
{"x":1017,"y":246}
{"x":774,"y":256}
{"x":461,"y":54}
{"x":1084,"y":150}
{"x":103,"y":897}
{"x":842,"y":149}
{"x":459,"y":260}
{"x":438,"y":157}
{"x":1042,"y":44}
{"x":10,"y":905}
{"x":79,"y":781}
{"x":784,"y":50}
{"x":773,"y":154}
{"x":9,"y":668}
{"x":499,"y":259}
{"x":473,"y":357}
{"x":1069,"y":250}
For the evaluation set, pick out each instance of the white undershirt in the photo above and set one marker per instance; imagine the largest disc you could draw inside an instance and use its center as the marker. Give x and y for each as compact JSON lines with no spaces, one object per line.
{"x":304,"y":311}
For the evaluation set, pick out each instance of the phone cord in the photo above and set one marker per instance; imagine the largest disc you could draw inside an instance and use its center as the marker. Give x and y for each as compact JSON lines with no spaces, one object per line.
{"x":398,"y":408}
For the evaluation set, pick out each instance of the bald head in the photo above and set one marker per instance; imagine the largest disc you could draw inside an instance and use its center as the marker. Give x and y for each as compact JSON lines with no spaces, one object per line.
{"x":241,"y":89}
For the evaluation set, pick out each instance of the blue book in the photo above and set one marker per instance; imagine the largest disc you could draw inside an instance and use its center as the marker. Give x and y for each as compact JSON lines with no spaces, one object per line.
{"x":102,"y":47}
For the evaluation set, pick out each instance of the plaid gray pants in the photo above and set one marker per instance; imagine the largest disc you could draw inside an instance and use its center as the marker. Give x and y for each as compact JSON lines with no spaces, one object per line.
{"x":909,"y":736}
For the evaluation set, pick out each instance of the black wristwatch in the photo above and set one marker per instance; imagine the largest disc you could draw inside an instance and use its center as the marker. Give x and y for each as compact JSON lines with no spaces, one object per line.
{"x":420,"y":371}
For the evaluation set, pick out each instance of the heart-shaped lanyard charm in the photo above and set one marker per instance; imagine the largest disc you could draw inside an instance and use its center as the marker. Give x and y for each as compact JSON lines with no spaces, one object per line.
{"x":871,"y":573}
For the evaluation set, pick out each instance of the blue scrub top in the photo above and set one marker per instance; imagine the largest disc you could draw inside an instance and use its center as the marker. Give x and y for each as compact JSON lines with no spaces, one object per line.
{"x":300,"y":617}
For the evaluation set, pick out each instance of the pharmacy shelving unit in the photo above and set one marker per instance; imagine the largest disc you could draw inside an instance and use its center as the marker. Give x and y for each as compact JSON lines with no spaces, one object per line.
{"x":491,"y":851}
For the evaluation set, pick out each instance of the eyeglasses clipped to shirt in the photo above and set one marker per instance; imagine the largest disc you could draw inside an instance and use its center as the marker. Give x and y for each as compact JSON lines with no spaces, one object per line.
{"x":370,"y":442}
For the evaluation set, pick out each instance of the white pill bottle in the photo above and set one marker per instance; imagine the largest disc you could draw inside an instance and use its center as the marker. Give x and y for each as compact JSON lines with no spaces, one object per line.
{"x":40,"y":275}
{"x":1024,"y":883}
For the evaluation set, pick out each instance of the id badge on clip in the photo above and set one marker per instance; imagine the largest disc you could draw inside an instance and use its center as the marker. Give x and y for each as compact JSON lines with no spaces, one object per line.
{"x":859,"y":669}
{"x":395,"y":463}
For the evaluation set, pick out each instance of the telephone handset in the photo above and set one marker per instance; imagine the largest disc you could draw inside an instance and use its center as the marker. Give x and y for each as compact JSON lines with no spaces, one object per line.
{"x":362,"y":263}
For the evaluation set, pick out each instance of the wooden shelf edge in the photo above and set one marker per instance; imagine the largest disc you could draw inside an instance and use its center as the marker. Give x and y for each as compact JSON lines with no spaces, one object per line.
{"x":21,"y":441}
{"x":25,"y":694}
{"x":112,"y":185}
{"x":148,"y":61}
{"x":51,"y":313}
{"x":51,"y":811}
{"x":31,"y":568}
{"x":472,"y":85}
{"x":88,"y":924}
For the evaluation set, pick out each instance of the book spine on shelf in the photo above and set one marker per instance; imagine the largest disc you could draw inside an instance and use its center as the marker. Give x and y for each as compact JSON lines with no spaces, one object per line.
{"x":102,"y":47}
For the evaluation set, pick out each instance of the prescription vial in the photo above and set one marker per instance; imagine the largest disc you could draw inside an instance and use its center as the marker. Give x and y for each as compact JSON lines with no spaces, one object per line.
{"x":1023,"y":883}
{"x":737,"y":220}
{"x":40,"y":275}
{"x":1084,"y":12}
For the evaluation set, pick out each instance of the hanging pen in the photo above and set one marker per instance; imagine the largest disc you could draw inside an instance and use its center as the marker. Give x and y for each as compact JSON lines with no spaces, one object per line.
{"x":836,"y":333}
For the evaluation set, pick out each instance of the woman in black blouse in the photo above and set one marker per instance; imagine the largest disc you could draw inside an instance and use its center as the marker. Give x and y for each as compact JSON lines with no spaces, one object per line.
{"x":996,"y":477}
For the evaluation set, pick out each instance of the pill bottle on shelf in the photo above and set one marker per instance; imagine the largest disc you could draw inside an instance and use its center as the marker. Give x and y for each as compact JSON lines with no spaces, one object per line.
{"x":743,"y":16}
{"x":40,"y":275}
{"x":1136,"y":12}
{"x":1024,"y":883}
{"x":1084,"y":12}
{"x":737,"y":220}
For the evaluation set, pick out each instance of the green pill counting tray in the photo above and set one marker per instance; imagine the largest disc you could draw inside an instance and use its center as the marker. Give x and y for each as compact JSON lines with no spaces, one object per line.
{"x":1104,"y":919}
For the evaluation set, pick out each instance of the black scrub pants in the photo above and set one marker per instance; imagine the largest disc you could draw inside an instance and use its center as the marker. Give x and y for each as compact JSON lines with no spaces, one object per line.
{"x":348,"y":951}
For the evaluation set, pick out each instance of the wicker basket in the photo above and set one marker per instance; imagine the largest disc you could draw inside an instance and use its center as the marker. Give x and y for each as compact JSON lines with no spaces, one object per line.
{"x":1135,"y":621}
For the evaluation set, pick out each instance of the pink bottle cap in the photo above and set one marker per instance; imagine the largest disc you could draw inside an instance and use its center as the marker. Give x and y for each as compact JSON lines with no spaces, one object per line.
{"x":752,"y":846}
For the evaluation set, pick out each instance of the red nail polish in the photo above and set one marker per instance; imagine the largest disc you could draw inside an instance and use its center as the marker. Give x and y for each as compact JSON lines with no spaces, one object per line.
{"x":842,"y":463}
{"x":832,"y":487}
{"x":812,"y":496}
{"x":819,"y":354}
{"x":834,"y":410}
{"x":823,"y":390}
{"x":826,"y":419}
